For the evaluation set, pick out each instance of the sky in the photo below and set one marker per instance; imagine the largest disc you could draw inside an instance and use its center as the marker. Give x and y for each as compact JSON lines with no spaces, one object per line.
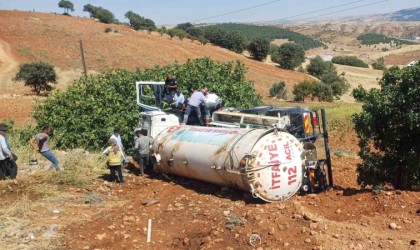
{"x":169,"y":12}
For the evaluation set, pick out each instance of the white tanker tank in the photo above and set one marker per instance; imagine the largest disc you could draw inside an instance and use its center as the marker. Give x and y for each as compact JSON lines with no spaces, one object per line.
{"x":267,"y":163}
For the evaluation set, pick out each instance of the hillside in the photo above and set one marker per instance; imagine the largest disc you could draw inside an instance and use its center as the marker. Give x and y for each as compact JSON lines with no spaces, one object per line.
{"x":31,"y":36}
{"x":402,"y":30}
{"x":405,"y":15}
{"x":27,"y":33}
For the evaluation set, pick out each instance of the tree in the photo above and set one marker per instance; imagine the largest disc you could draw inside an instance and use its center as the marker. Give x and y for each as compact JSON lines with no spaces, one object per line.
{"x":258,"y":48}
{"x":302,"y":90}
{"x":67,"y":5}
{"x":138,"y":22}
{"x":235,"y":41}
{"x":104,"y":15}
{"x":317,"y":67}
{"x":91,"y":9}
{"x":291,"y":55}
{"x":389,"y":132}
{"x":37,"y":75}
{"x":181,"y":34}
{"x":185,"y":26}
{"x":195,"y":32}
{"x":216,"y":36}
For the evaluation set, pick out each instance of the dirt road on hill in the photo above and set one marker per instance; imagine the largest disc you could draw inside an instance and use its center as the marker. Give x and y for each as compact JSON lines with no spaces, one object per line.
{"x":8,"y":62}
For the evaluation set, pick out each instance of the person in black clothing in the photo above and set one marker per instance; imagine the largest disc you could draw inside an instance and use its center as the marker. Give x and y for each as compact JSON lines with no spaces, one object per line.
{"x":170,"y":84}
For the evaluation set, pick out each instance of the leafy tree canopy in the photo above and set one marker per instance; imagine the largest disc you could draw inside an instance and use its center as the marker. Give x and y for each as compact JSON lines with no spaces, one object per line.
{"x":67,"y":5}
{"x":104,"y":15}
{"x":389,"y":131}
{"x":317,"y":67}
{"x":291,"y":55}
{"x":138,"y":22}
{"x":37,"y":75}
{"x":258,"y":48}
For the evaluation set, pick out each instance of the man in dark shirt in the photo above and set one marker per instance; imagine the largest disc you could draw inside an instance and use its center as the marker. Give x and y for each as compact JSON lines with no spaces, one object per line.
{"x":170,"y":84}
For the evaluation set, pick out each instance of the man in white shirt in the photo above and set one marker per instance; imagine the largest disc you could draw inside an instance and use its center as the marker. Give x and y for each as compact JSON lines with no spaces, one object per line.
{"x":116,"y":136}
{"x":179,"y":98}
{"x":5,"y":154}
{"x":196,"y":99}
{"x":212,"y":103}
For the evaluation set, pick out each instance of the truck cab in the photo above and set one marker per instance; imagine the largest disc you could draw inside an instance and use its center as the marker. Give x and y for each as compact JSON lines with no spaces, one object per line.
{"x":154,"y":122}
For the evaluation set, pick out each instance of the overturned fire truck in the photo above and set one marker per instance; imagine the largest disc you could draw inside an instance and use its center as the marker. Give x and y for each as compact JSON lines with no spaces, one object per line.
{"x":272,"y":152}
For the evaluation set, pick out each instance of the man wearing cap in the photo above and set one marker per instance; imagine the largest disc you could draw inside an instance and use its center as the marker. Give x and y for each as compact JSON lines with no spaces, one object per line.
{"x":5,"y":154}
{"x":142,"y":149}
{"x":41,"y":146}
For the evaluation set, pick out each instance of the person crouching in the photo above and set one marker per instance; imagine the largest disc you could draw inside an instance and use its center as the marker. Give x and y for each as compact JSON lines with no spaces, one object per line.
{"x":115,"y":158}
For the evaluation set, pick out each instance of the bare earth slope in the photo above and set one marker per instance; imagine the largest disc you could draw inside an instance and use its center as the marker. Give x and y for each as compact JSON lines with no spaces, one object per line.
{"x":54,"y":38}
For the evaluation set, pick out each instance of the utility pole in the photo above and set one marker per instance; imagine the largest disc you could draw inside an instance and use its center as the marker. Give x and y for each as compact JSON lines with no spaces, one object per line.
{"x":83,"y":58}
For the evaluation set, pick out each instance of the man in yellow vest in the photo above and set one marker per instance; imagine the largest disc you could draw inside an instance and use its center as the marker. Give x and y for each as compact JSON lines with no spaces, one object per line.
{"x":115,"y":157}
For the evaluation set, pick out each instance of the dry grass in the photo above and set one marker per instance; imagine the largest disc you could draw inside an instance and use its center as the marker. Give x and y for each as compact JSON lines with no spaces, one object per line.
{"x":26,"y":210}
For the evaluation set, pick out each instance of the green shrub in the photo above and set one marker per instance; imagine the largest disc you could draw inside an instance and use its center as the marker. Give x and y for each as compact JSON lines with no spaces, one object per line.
{"x":378,"y":66}
{"x":302,"y":90}
{"x":350,"y":61}
{"x":278,"y":90}
{"x":323,"y":91}
{"x":85,"y":114}
{"x":108,"y":29}
{"x":335,"y":86}
{"x":301,"y":69}
{"x":274,"y":53}
{"x":359,"y":93}
{"x":389,"y":132}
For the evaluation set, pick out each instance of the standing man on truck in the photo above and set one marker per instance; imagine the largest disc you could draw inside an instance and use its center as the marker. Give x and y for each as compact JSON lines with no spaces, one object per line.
{"x":170,"y":84}
{"x":197,"y":98}
{"x":213,"y":102}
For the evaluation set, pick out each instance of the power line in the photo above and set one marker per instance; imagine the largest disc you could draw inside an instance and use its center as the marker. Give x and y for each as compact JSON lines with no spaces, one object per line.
{"x":338,"y":11}
{"x":236,"y":11}
{"x":311,"y":12}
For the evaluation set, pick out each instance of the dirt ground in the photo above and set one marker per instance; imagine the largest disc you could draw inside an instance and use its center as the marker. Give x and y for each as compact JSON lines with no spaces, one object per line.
{"x":188,"y":214}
